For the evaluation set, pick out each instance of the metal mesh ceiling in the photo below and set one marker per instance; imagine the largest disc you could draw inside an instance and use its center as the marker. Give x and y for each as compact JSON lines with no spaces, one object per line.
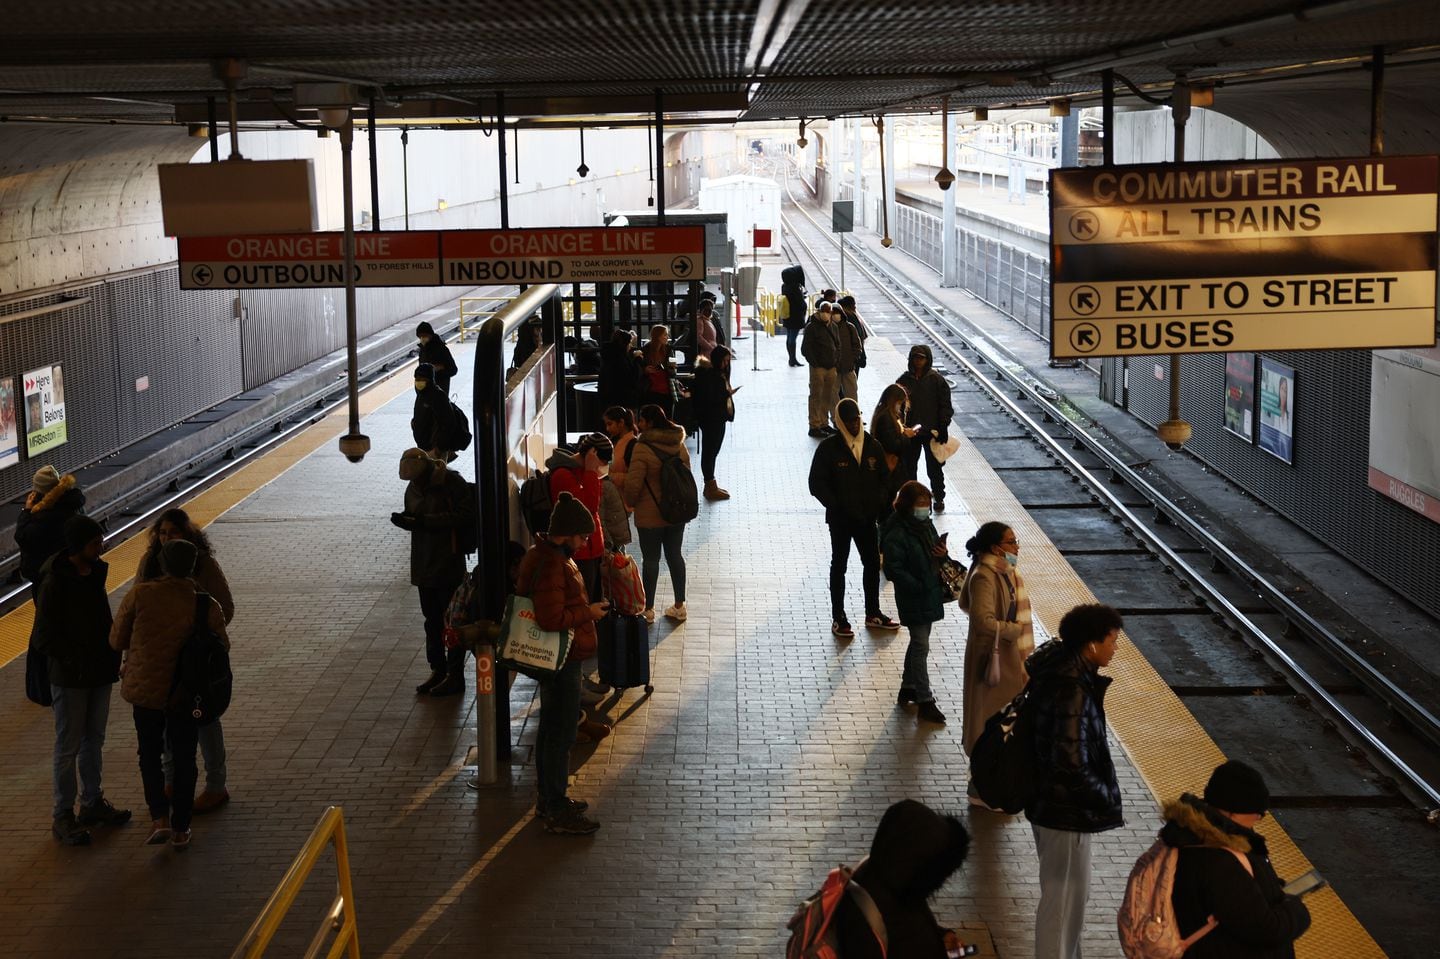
{"x":798,"y":57}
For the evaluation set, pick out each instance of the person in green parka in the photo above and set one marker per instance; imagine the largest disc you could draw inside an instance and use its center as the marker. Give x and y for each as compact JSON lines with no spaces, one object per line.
{"x":913,"y":551}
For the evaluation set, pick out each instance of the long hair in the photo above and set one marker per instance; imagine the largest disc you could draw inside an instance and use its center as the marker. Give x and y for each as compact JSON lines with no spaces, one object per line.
{"x":892,"y":393}
{"x":655,"y":416}
{"x":986,"y":538}
{"x":188,"y":531}
{"x":910,"y":493}
{"x":621,"y":414}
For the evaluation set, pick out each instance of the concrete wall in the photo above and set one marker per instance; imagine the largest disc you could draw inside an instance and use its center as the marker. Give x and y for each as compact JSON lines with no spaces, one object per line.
{"x":1148,"y":136}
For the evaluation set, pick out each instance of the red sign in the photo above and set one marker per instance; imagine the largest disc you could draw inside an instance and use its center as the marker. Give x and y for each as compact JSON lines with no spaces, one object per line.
{"x":290,"y":260}
{"x":574,"y":255}
{"x":762,"y":238}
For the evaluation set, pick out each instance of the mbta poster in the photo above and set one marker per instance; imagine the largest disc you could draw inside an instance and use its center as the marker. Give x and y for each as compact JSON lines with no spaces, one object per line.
{"x":9,"y":428}
{"x":1277,"y":409}
{"x":1240,"y":395}
{"x":44,"y":410}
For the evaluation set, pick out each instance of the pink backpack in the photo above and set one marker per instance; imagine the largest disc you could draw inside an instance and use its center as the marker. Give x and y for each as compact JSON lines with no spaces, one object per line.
{"x":812,"y":928}
{"x":1146,"y":920}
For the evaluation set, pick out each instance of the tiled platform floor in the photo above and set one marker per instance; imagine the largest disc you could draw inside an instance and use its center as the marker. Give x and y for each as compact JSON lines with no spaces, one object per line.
{"x":766,"y":754}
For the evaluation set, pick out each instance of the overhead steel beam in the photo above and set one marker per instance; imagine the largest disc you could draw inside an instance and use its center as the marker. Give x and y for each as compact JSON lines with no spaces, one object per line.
{"x":439,"y":108}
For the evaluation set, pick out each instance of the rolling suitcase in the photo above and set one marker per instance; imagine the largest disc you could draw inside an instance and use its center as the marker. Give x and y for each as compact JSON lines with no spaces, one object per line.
{"x":624,"y":651}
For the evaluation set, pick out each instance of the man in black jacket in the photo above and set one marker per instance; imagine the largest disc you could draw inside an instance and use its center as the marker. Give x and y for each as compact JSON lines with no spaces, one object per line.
{"x":1077,"y":792}
{"x":850,"y":479}
{"x":930,"y":408}
{"x":72,"y":627}
{"x":434,"y":351}
{"x":40,"y":527}
{"x":821,"y":349}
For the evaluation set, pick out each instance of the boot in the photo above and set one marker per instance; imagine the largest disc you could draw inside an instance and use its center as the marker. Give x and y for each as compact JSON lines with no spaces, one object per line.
{"x":714,"y":492}
{"x":436,"y":676}
{"x":454,"y":681}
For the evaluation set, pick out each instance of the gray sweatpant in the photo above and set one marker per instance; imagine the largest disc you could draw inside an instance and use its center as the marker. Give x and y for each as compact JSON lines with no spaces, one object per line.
{"x":1064,"y":890}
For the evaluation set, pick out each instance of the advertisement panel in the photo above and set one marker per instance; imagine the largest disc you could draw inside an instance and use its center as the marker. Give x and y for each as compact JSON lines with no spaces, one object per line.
{"x":1277,"y":409}
{"x":44,"y":410}
{"x":9,"y":425}
{"x":1240,"y":395}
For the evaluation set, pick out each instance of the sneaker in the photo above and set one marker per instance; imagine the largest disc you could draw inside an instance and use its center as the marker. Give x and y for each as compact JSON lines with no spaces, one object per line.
{"x":571,"y":822}
{"x":650,"y":616}
{"x":567,"y":806}
{"x":905,"y":697}
{"x":676,"y":612}
{"x":69,"y":831}
{"x":452,"y":685}
{"x":436,"y":677}
{"x":159,"y":832}
{"x":842,"y":629}
{"x":591,"y":686}
{"x":939,"y":505}
{"x":881,"y":622}
{"x":180,"y":839}
{"x":591,"y":730}
{"x":103,"y":814}
{"x":818,"y":433}
{"x":931,"y":713}
{"x":210,"y":800}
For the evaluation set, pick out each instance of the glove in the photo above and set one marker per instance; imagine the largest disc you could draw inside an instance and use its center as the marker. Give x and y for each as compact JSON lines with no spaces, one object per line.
{"x":405,"y":521}
{"x":942,"y":435}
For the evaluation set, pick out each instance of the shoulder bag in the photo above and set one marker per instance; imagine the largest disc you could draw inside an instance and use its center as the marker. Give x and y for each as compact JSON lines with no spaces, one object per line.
{"x":525,"y":647}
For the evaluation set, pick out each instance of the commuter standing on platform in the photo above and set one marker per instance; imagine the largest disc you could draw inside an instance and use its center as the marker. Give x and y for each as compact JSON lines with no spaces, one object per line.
{"x":437,"y":506}
{"x":659,"y":440}
{"x":154,"y":622}
{"x":848,"y":357}
{"x":913,"y":551}
{"x":889,"y":428}
{"x":705,"y":329}
{"x":430,"y":421}
{"x":714,"y":405}
{"x":620,"y":427}
{"x":578,"y":474}
{"x":434,"y":351}
{"x":1077,"y":793}
{"x":175,"y":524}
{"x":994,"y":595}
{"x":792,"y":290}
{"x":850,"y":315}
{"x":614,"y":514}
{"x":931,"y":409}
{"x":619,"y":382}
{"x":553,"y":584}
{"x":849,"y":477}
{"x":40,"y":527}
{"x":72,"y":628}
{"x":821,"y":347}
{"x":659,"y":373}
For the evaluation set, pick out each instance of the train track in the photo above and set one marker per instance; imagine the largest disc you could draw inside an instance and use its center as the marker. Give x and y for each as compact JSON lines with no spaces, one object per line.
{"x":1398,"y":736}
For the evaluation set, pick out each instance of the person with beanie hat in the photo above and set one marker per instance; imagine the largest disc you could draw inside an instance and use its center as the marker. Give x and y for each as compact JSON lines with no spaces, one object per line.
{"x":821,"y":348}
{"x":40,"y":527}
{"x":439,"y":505}
{"x":1255,"y":917}
{"x":552,"y":581}
{"x":434,"y":353}
{"x":155,"y":621}
{"x":849,"y":477}
{"x":430,"y":423}
{"x":72,"y":629}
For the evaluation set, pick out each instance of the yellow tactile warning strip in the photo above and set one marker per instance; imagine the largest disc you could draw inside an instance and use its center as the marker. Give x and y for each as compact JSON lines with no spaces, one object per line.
{"x":206,"y":506}
{"x":1172,"y":753}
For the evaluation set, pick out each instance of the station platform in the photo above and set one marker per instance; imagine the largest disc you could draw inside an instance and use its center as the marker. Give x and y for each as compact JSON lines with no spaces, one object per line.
{"x":766,"y":755}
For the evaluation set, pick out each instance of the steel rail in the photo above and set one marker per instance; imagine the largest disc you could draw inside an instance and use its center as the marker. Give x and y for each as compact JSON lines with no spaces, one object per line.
{"x":1395,"y":698}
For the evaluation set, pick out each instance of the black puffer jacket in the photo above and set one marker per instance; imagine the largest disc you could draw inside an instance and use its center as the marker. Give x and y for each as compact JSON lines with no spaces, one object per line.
{"x":40,"y":527}
{"x":72,"y":625}
{"x":430,"y":423}
{"x":929,"y":393}
{"x":915,"y":851}
{"x":1078,"y":791}
{"x":443,"y":505}
{"x":1257,"y":920}
{"x":438,"y":355}
{"x":792,"y":287}
{"x":850,"y":491}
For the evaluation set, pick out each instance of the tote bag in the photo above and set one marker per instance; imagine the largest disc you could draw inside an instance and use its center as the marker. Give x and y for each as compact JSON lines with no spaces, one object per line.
{"x":525,"y":647}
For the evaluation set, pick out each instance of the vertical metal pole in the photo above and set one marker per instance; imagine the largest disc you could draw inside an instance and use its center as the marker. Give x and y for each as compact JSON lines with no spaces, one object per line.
{"x":517,"y":156}
{"x":214,"y":131}
{"x":492,"y":485}
{"x":355,"y":444}
{"x":374,"y":172}
{"x":842,"y":261}
{"x":949,"y":255}
{"x":660,"y":155}
{"x":1107,"y":117}
{"x":552,"y":314}
{"x":858,"y":140}
{"x":1377,"y":102}
{"x":504,"y":179}
{"x":405,"y":169}
{"x":1175,"y":432}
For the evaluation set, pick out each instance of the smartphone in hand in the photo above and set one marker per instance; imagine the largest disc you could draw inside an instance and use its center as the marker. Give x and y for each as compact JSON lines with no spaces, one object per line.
{"x":1305,"y":884}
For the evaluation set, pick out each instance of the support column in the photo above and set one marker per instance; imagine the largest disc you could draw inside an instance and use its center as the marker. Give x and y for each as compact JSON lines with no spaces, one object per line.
{"x":888,"y":175}
{"x":504,"y":181}
{"x":949,"y":249}
{"x":1377,"y":102}
{"x":374,"y":172}
{"x":660,"y":156}
{"x":1175,"y":432}
{"x":858,"y":141}
{"x":354,"y":444}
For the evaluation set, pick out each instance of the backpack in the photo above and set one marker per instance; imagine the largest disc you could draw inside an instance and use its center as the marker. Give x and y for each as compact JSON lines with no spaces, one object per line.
{"x":460,"y":611}
{"x":202,"y":684}
{"x":457,"y":430}
{"x":535,"y":505}
{"x":679,"y":499}
{"x":1002,"y":764}
{"x":1146,"y":920}
{"x":467,"y":535}
{"x":812,"y":928}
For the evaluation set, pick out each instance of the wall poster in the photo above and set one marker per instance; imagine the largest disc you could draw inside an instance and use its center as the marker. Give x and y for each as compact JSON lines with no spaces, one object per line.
{"x":1277,"y":409}
{"x":9,"y":428}
{"x":44,"y":410}
{"x":1240,"y":395}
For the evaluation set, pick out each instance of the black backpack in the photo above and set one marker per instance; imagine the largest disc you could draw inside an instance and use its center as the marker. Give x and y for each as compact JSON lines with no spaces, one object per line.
{"x":679,"y":499}
{"x":535,"y":505}
{"x":457,"y":430}
{"x":467,"y":534}
{"x":202,"y":685}
{"x":1004,"y":760}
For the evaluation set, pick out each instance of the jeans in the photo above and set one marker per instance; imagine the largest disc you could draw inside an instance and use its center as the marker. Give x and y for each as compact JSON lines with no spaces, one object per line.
{"x":433,"y":602}
{"x":559,"y":715}
{"x":672,"y":540}
{"x":712,"y":437}
{"x":862,"y":532}
{"x":916,"y":677}
{"x":936,"y":469}
{"x":1064,"y":890}
{"x":212,"y":747}
{"x":80,"y":719}
{"x":152,"y":728}
{"x":790,"y":337}
{"x":823,"y":384}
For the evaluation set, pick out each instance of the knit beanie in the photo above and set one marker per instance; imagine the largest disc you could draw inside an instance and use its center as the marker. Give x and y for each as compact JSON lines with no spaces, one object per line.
{"x":79,"y":530}
{"x":598,"y":442}
{"x":177,"y":558}
{"x":1237,"y":788}
{"x":570,"y":518}
{"x":46,"y":478}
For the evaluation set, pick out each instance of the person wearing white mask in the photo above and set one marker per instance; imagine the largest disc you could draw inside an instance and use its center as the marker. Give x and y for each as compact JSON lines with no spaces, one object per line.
{"x":912,"y":549}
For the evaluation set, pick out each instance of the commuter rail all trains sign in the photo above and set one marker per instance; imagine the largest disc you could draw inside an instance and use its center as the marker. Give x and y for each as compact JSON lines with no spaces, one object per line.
{"x":1230,"y":257}
{"x":444,"y":258}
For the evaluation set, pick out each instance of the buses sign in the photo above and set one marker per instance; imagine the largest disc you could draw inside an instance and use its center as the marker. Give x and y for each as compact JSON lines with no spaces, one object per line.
{"x":1226,"y":257}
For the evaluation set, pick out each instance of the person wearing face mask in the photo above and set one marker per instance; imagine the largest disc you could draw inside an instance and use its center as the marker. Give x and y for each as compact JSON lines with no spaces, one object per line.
{"x":430,"y":422}
{"x":552,"y":581}
{"x":913,"y":550}
{"x":434,"y":351}
{"x":994,"y":595}
{"x":577,"y":472}
{"x":438,"y":503}
{"x":1076,"y":790}
{"x":930,"y":410}
{"x":821,"y":349}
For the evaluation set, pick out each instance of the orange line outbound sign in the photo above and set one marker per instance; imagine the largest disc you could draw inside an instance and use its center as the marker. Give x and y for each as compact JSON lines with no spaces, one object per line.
{"x":296,"y":260}
{"x":574,"y":255}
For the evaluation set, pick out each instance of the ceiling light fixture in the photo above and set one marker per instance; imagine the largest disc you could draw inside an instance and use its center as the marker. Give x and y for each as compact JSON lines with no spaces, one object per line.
{"x":800,"y":141}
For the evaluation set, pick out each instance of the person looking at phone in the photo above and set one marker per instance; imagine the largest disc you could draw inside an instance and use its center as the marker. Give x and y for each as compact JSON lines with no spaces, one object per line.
{"x":549,"y":576}
{"x":1255,"y":918}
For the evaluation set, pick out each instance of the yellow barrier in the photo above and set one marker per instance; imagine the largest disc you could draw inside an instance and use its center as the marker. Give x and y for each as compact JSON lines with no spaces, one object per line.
{"x":469,"y":311}
{"x":340,"y":918}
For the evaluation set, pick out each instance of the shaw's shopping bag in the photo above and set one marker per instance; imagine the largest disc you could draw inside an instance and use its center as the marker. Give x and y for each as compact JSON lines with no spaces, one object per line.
{"x":525,"y":647}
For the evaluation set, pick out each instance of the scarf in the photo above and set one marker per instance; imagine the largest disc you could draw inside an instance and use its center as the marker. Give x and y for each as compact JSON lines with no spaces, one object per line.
{"x":1019,"y":598}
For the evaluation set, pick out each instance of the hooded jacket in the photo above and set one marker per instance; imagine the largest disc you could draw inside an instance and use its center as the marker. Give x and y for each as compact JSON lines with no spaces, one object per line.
{"x":642,"y":478}
{"x":848,"y":344}
{"x":443,"y":505}
{"x":430,"y":421}
{"x":554,"y":585}
{"x":792,"y":287}
{"x":568,"y":475}
{"x":1077,"y":788}
{"x":850,"y":491}
{"x":929,"y":393}
{"x":619,"y":375}
{"x":1257,"y":919}
{"x":710,"y":395}
{"x":915,"y":851}
{"x":906,"y":542}
{"x":40,"y":527}
{"x":821,"y":343}
{"x":208,"y":576}
{"x":72,"y":624}
{"x":438,"y":355}
{"x":154,"y":621}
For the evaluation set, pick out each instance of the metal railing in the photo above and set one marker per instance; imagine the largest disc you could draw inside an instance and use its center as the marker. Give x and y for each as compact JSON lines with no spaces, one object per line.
{"x":474,"y":312}
{"x":339,"y":919}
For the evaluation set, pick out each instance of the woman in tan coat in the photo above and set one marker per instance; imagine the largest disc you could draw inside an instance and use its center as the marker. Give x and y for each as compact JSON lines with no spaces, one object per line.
{"x":994,"y":596}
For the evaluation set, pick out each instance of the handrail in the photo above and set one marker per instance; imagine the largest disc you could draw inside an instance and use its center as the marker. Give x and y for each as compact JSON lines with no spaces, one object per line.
{"x":468,"y":312}
{"x":340,"y":917}
{"x":515,"y":313}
